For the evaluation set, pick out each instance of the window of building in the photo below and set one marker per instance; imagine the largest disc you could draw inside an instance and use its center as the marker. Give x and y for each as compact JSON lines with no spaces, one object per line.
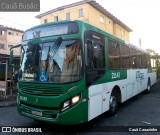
{"x":55,"y":18}
{"x":2,"y":32}
{"x":68,"y":16}
{"x":110,"y":22}
{"x":80,"y":12}
{"x":101,"y":19}
{"x":133,"y":61}
{"x":1,"y":46}
{"x":114,"y":55}
{"x":125,"y":56}
{"x":45,"y":20}
{"x":10,"y":33}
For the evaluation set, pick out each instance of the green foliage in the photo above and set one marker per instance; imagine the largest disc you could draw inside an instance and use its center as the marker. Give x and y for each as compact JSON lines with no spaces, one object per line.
{"x":156,"y":56}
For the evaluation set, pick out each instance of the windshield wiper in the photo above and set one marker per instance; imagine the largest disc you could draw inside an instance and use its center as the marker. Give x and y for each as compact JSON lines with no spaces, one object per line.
{"x":55,"y":47}
{"x":52,"y":52}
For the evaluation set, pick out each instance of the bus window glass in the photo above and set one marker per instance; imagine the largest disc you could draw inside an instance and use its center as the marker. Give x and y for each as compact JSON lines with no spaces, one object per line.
{"x":114,"y":55}
{"x":148,"y":61}
{"x":98,"y":56}
{"x":153,"y":63}
{"x":95,"y":51}
{"x":95,"y":56}
{"x":139,"y":59}
{"x":125,"y":56}
{"x":133,"y":61}
{"x":144,"y":60}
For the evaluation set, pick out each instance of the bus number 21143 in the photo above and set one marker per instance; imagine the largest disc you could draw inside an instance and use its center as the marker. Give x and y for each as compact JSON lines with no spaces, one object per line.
{"x":115,"y":75}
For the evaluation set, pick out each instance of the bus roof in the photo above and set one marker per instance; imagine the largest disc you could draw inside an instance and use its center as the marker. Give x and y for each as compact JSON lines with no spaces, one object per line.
{"x":94,"y":27}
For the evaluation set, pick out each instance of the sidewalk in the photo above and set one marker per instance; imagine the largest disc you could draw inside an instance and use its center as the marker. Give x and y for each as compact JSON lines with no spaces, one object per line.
{"x":10,"y":101}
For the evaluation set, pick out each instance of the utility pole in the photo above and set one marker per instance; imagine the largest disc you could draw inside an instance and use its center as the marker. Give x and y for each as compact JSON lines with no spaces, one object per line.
{"x":140,"y":42}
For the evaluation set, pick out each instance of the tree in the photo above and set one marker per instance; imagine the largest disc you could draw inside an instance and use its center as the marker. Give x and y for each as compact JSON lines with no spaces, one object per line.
{"x":156,"y":56}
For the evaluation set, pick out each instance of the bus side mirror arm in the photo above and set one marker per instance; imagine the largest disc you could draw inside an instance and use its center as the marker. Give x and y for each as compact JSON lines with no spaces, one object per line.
{"x":11,"y":58}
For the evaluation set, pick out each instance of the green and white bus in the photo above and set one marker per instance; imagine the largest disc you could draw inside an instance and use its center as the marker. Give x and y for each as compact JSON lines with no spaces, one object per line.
{"x":72,"y":72}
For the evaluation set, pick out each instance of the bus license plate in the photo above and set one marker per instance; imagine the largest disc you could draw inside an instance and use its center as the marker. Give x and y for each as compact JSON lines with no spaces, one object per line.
{"x":37,"y":113}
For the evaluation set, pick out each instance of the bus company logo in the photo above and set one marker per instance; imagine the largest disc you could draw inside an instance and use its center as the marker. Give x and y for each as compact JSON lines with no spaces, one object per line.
{"x":116,"y":75}
{"x":6,"y":129}
{"x":139,"y":75}
{"x":36,"y":101}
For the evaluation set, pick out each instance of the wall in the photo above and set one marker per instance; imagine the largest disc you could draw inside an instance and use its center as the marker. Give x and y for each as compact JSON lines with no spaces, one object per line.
{"x":120,"y":32}
{"x":3,"y":40}
{"x":14,"y":39}
{"x":62,"y":14}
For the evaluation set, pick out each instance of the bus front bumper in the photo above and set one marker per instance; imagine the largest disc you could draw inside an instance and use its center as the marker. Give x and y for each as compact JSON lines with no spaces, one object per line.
{"x":74,"y":115}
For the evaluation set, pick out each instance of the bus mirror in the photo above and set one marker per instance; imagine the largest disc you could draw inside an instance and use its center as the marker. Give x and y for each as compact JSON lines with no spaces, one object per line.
{"x":12,"y":58}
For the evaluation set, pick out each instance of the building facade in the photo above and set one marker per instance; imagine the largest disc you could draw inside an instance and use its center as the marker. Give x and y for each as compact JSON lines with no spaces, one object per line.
{"x":8,"y":38}
{"x":89,"y":11}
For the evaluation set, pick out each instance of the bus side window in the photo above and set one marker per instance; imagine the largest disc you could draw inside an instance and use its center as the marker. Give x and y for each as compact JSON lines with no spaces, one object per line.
{"x":125,"y":56}
{"x":98,"y":56}
{"x":89,"y":54}
{"x":95,"y":61}
{"x":95,"y":56}
{"x":133,"y":56}
{"x":91,"y":75}
{"x":144,"y":60}
{"x":114,"y":55}
{"x":148,"y":61}
{"x":139,"y":59}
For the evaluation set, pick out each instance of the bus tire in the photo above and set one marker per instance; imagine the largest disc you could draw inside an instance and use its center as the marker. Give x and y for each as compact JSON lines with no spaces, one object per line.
{"x":113,"y":105}
{"x":148,"y":90}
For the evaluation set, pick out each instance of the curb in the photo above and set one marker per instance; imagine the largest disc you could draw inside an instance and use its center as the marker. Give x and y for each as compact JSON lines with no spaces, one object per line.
{"x":8,"y":104}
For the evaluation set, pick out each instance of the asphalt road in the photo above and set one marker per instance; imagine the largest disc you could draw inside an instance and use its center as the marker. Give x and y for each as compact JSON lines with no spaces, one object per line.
{"x":141,"y":110}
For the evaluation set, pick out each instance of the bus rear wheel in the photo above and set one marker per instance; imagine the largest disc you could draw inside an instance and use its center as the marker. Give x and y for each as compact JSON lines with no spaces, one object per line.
{"x":113,"y":104}
{"x":148,"y":90}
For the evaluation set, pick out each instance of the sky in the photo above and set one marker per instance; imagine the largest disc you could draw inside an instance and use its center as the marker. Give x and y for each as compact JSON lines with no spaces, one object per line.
{"x":142,"y":16}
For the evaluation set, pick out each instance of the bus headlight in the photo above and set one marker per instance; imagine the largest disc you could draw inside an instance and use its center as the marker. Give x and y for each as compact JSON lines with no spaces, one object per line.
{"x":69,"y":103}
{"x":66,"y":105}
{"x":75,"y":99}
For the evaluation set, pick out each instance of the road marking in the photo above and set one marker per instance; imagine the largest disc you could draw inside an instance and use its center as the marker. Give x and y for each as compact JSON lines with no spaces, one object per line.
{"x":146,"y":122}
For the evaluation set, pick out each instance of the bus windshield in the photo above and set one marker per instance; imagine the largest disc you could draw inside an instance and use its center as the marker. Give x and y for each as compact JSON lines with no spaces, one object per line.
{"x":52,"y":62}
